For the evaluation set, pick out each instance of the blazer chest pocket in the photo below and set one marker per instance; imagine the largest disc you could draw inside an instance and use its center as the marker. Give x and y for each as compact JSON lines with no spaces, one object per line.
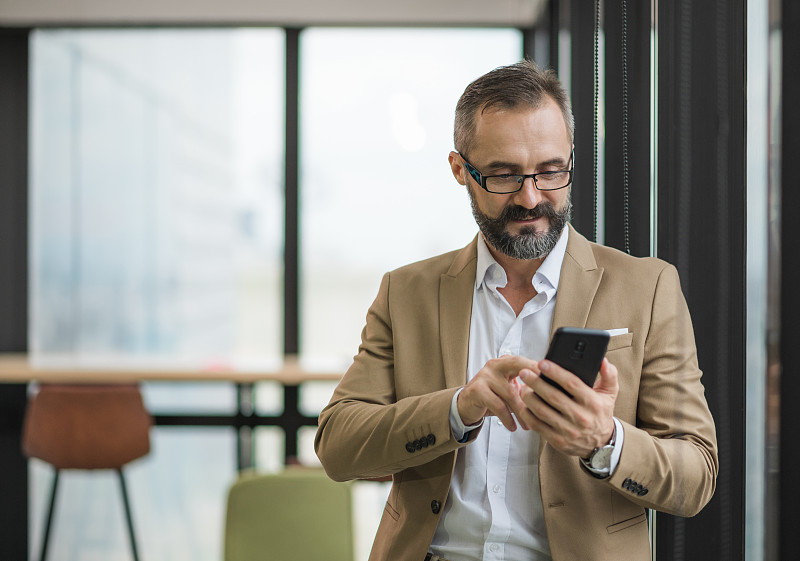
{"x":620,"y":342}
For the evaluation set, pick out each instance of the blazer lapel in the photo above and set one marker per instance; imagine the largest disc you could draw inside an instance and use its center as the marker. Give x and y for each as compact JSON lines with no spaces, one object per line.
{"x":455,"y":311}
{"x":580,"y":278}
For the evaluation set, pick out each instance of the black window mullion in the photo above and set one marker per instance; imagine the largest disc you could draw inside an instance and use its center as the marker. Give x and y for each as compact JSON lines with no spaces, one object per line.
{"x":291,"y":290}
{"x":13,"y":284}
{"x":785,"y":459}
{"x":581,"y":25}
{"x":627,"y":214}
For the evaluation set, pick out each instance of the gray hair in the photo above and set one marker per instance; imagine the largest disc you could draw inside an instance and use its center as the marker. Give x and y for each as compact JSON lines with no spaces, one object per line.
{"x":509,"y":87}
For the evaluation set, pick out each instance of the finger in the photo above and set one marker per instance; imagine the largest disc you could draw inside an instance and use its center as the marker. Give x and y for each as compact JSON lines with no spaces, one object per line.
{"x":541,"y":384}
{"x":534,"y":404}
{"x":524,"y":416}
{"x":494,"y":390}
{"x":519,"y":408}
{"x":532,"y":422}
{"x":513,"y":404}
{"x":502,"y":412}
{"x":486,"y":395}
{"x":608,"y":381}
{"x":528,"y":378}
{"x":506,"y":388}
{"x":543,"y":410}
{"x":503,"y":401}
{"x":510,"y":365}
{"x":574,"y":386}
{"x":493,"y":396}
{"x":531,"y":374}
{"x":552,"y":406}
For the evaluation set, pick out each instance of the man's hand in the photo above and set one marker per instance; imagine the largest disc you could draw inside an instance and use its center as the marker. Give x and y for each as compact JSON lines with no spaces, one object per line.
{"x":494,"y":391}
{"x":577,"y":425}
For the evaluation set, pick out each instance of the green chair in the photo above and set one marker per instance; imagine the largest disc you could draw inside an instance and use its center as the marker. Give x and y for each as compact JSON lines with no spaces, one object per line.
{"x":296,"y":514}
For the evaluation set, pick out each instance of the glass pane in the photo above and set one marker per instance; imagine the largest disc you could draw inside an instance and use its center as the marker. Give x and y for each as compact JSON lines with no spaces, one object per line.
{"x":268,"y":398}
{"x":167,"y":398}
{"x":369,"y":498}
{"x":269,"y":443}
{"x":377,"y":111}
{"x":156,"y":182}
{"x":305,"y":447}
{"x":314,"y":396}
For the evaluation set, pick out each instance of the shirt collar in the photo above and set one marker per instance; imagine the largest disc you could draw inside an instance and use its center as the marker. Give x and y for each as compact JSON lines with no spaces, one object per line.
{"x":550,"y":269}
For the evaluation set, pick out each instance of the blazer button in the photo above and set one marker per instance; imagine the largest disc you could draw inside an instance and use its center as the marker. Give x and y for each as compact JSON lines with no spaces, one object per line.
{"x":643,"y":492}
{"x":626,"y":484}
{"x":431,"y":440}
{"x":418,"y":444}
{"x":436,"y":506}
{"x":410,"y":447}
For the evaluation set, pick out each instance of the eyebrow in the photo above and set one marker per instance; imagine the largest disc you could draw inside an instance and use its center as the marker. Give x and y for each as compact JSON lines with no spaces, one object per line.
{"x":498,"y":164}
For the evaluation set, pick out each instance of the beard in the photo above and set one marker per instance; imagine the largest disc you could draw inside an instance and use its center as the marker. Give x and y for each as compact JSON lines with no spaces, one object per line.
{"x":528,"y":243}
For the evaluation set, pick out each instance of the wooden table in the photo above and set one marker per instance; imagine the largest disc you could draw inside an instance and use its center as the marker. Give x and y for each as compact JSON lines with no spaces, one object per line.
{"x":20,"y":369}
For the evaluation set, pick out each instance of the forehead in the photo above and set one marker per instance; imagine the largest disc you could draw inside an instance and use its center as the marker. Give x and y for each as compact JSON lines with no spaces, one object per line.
{"x":521,"y":131}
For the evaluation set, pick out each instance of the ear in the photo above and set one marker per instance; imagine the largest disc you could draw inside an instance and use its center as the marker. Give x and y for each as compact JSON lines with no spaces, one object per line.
{"x":457,"y":167}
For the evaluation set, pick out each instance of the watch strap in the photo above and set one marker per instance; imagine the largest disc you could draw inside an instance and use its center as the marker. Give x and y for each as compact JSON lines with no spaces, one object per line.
{"x":608,"y":449}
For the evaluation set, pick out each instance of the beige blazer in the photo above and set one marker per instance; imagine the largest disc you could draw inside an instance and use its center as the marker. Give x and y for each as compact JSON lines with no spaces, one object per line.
{"x":390,"y":413}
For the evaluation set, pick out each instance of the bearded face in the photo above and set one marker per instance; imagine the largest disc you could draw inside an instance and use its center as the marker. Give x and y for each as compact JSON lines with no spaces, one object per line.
{"x":528,"y":243}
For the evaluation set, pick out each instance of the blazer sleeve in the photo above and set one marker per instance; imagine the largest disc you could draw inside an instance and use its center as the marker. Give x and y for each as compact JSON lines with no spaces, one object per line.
{"x":365,"y":431}
{"x":669,"y":458}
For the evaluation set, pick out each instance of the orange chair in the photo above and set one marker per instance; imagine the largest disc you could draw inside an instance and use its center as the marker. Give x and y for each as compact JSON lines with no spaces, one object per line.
{"x":86,"y":427}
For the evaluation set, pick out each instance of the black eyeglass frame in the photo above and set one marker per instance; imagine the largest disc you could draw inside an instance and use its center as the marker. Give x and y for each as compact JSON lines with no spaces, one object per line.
{"x":481,"y":179}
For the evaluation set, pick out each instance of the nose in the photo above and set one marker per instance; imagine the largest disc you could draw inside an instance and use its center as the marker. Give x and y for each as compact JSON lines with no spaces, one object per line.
{"x":529,"y":196}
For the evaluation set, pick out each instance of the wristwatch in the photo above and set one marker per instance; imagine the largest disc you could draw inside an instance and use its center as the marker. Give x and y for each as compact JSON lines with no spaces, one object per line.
{"x":599,"y":461}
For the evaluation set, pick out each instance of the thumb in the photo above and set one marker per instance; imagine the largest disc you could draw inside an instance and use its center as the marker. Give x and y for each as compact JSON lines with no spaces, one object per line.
{"x":607,"y":382}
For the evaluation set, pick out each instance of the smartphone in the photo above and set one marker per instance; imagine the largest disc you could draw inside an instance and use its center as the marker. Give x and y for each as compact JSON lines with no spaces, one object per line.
{"x":578,"y":350}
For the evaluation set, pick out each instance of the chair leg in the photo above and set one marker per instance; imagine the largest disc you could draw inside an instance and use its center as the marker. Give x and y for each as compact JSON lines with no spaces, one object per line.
{"x":127,"y":514}
{"x":49,"y":520}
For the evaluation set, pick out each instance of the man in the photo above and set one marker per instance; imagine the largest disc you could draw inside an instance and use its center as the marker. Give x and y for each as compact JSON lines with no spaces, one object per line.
{"x":488,"y":460}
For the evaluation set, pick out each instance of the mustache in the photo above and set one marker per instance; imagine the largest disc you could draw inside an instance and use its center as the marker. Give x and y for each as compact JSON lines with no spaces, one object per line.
{"x":515,"y":212}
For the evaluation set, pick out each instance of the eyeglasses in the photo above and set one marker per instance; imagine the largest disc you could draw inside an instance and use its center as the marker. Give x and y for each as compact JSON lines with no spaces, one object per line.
{"x":507,"y":183}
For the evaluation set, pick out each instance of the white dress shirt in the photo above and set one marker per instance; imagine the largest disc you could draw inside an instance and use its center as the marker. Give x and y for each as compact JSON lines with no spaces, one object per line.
{"x":494,"y":509}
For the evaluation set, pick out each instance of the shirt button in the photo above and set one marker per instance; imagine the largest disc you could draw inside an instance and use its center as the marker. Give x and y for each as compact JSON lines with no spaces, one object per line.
{"x":499,"y":422}
{"x":493,"y":547}
{"x":496,"y":488}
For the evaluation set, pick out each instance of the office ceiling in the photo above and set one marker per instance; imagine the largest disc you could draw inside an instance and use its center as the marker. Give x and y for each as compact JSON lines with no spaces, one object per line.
{"x":33,"y":13}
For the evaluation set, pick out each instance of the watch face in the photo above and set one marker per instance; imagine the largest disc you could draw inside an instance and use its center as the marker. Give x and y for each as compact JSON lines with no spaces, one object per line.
{"x":602,"y":458}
